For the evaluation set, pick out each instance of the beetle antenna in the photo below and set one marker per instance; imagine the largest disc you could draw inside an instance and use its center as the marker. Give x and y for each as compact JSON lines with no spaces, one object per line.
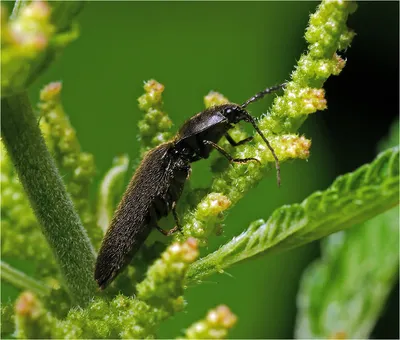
{"x":277,"y":166}
{"x":261,"y":94}
{"x":253,"y":99}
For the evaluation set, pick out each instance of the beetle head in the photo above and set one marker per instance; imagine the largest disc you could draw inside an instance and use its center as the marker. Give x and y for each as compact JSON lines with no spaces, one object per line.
{"x":235,"y":113}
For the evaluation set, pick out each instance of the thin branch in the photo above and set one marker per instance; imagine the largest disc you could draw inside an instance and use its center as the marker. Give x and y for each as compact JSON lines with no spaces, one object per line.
{"x":21,"y":280}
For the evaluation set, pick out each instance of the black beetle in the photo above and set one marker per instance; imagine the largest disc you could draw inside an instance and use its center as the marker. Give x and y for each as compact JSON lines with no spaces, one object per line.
{"x":159,"y":180}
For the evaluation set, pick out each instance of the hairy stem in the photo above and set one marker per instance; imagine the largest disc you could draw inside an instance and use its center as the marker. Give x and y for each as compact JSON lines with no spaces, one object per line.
{"x":21,"y":280}
{"x":52,"y":205}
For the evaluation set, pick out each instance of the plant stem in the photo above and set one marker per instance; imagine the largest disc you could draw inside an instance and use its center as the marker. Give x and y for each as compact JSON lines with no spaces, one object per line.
{"x":110,"y":191}
{"x":21,"y":280}
{"x":17,"y":8}
{"x":47,"y":194}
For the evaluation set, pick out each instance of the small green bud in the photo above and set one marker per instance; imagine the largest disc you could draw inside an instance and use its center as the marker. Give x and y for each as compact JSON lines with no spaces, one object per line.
{"x":31,"y":319}
{"x":110,"y":191}
{"x":32,"y":28}
{"x":7,"y":319}
{"x":214,"y":99}
{"x":345,"y":39}
{"x":155,"y":126}
{"x":163,"y":284}
{"x":207,"y":217}
{"x":215,"y":326}
{"x":50,"y":94}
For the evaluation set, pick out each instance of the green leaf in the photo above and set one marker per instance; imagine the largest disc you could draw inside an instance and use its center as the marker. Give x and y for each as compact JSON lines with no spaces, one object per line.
{"x":343,"y":293}
{"x":353,"y":198}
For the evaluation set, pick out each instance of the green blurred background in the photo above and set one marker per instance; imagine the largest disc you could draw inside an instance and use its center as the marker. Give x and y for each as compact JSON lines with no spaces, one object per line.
{"x":237,"y":48}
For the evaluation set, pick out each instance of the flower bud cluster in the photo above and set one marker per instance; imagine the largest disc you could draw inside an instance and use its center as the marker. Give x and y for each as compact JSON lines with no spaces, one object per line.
{"x":154,"y":127}
{"x":214,"y":326}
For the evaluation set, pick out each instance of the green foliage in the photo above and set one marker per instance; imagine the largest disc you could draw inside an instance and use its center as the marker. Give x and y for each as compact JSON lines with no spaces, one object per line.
{"x":21,"y":280}
{"x":7,"y":319}
{"x":33,"y":35}
{"x":52,"y":205}
{"x":110,"y":190}
{"x":18,"y":220}
{"x":343,"y":293}
{"x":326,"y":33}
{"x":303,"y":95}
{"x":163,"y":285}
{"x":214,"y":326}
{"x":159,"y":296}
{"x":154,"y":127}
{"x":31,"y":319}
{"x":77,"y":167}
{"x":351,"y":199}
{"x":31,"y":38}
{"x":124,"y":318}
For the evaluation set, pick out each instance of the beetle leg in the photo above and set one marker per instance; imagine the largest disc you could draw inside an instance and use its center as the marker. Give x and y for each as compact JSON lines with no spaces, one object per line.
{"x":174,"y":229}
{"x":228,"y":156}
{"x":167,"y":232}
{"x":176,"y":218}
{"x":233,"y":143}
